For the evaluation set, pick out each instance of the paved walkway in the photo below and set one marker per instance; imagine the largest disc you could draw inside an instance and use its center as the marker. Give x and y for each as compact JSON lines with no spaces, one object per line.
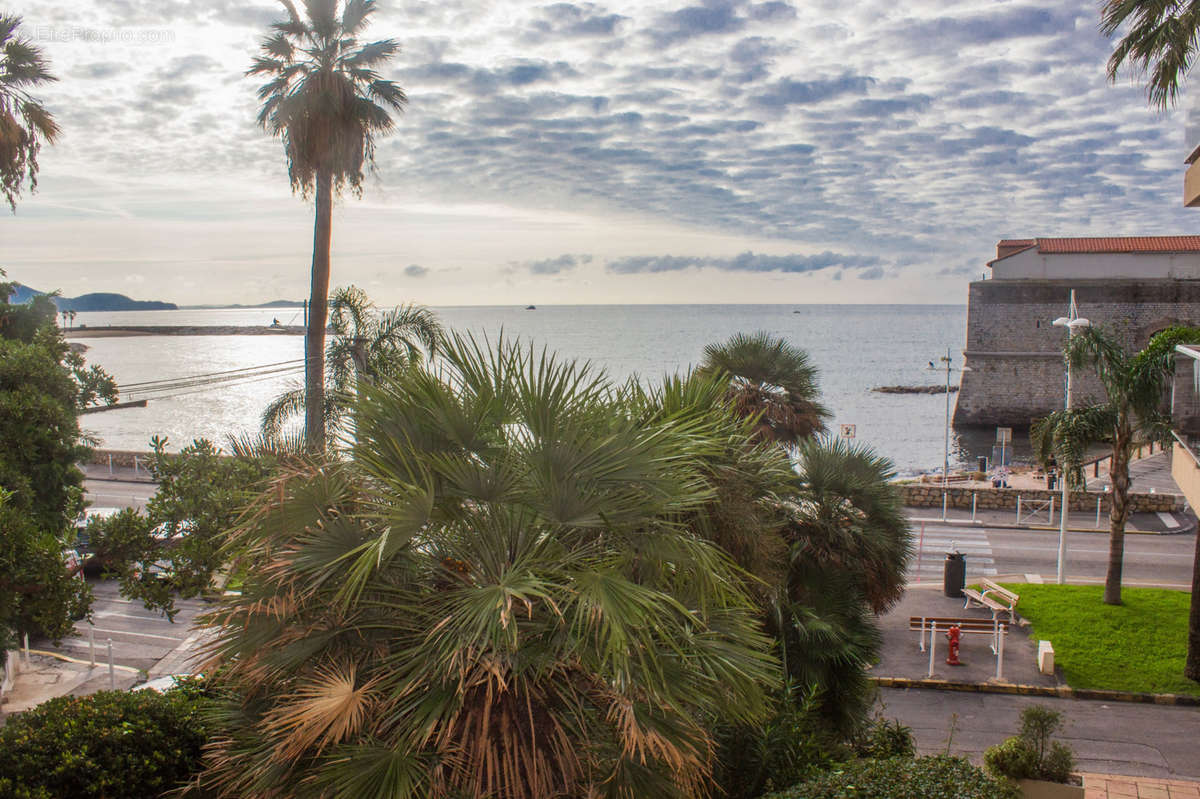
{"x":1113,"y":786}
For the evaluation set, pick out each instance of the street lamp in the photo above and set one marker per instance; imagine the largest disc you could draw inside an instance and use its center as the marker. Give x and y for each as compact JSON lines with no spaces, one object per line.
{"x":945,"y":359}
{"x":1071,"y":322}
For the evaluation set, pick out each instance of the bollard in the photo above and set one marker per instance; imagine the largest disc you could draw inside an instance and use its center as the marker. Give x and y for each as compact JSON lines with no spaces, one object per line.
{"x":1051,"y":509}
{"x":932,"y":648}
{"x":1097,"y":513}
{"x":92,"y":644}
{"x":1000,"y":653}
{"x":944,"y":496}
{"x":135,"y":465}
{"x":26,"y":649}
{"x":974,"y":497}
{"x":920,"y":548}
{"x":1018,"y":509}
{"x":112,"y":678}
{"x":110,"y":464}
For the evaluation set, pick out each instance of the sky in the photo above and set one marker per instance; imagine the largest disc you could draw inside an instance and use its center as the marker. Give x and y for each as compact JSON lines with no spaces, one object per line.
{"x":702,"y":151}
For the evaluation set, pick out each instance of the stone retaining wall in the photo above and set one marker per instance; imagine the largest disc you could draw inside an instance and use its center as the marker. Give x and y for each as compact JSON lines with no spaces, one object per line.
{"x":121,"y":458}
{"x":930,"y":496}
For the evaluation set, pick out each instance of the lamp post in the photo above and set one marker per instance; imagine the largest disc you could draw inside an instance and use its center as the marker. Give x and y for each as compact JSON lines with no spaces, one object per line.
{"x":1071,"y":322}
{"x":945,"y":359}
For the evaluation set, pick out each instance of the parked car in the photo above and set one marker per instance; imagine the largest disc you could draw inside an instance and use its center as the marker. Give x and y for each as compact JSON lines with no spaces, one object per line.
{"x":81,"y":525}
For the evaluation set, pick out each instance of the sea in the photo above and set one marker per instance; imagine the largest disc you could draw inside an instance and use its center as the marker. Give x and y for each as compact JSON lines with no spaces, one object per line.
{"x":855,"y":348}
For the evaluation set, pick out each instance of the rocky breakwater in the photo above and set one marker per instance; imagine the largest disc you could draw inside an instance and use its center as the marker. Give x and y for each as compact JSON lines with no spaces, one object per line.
{"x":929,"y":495}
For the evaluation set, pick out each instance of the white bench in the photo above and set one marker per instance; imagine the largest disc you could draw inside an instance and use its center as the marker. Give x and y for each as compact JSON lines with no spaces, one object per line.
{"x":994,"y":597}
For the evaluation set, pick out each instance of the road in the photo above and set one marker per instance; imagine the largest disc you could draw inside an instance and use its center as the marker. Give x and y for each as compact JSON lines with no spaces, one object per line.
{"x":1107,"y":737}
{"x":1161,"y":560}
{"x":140,"y":637}
{"x":118,"y":493}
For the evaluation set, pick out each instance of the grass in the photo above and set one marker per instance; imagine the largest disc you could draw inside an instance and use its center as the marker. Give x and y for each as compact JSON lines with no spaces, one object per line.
{"x":1138,"y":646}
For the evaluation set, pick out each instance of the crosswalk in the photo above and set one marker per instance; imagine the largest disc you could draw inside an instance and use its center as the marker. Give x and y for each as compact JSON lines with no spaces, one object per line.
{"x":931,"y":542}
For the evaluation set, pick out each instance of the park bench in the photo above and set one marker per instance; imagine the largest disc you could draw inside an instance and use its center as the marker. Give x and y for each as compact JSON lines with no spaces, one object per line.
{"x":994,"y":597}
{"x":931,"y":624}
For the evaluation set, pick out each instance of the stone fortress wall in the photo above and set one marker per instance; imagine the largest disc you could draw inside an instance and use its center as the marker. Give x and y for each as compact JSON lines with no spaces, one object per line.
{"x":1015,"y":353}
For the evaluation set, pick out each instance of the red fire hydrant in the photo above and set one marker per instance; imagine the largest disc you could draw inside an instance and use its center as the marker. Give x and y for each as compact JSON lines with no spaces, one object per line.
{"x":952,"y":637}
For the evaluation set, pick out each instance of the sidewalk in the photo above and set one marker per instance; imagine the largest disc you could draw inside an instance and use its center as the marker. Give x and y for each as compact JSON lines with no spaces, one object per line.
{"x":1113,"y":786}
{"x":1077,"y":521}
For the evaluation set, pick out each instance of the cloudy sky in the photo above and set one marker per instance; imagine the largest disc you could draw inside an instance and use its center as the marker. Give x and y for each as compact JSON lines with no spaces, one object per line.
{"x":607,"y":152}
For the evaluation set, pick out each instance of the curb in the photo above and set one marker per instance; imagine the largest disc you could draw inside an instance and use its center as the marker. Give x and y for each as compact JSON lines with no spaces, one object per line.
{"x":1060,"y":692}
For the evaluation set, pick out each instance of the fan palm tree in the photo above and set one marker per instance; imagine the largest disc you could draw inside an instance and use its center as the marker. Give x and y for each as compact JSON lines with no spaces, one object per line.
{"x":1160,"y":42}
{"x":492,"y":597}
{"x":1135,"y":386}
{"x":328,"y":103}
{"x":850,"y":545}
{"x":25,"y":124}
{"x":366,"y":346}
{"x":771,"y":381}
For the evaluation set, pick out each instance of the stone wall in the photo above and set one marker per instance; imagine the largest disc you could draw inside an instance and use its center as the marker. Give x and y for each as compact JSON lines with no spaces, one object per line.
{"x":930,"y":496}
{"x":118,"y":457}
{"x":1015,"y":353}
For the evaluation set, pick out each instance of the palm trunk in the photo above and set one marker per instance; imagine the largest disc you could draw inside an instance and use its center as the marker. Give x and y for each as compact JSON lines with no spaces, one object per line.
{"x":1191,"y":669}
{"x":318,"y":312}
{"x":1119,"y":477}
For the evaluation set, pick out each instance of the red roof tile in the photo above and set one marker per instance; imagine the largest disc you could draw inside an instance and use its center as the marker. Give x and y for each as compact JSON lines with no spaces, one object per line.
{"x":1017,"y":242}
{"x":1120,"y":244}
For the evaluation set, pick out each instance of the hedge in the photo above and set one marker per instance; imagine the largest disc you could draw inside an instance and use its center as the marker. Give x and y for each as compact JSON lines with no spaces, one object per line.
{"x":938,"y":777}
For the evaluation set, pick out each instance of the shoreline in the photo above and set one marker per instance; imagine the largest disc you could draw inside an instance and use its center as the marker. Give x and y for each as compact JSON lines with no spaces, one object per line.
{"x":122,"y":331}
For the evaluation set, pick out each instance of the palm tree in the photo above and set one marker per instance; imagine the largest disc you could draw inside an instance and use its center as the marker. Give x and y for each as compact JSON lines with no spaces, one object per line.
{"x":1160,"y":42}
{"x":328,"y":103}
{"x":366,"y":346}
{"x":850,"y":545}
{"x":25,"y":124}
{"x":772,"y":381}
{"x":492,"y":597}
{"x":1134,"y":387}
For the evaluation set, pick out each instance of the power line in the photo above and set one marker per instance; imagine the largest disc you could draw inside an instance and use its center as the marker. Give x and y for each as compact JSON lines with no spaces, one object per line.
{"x":171,"y":380}
{"x":200,"y":389}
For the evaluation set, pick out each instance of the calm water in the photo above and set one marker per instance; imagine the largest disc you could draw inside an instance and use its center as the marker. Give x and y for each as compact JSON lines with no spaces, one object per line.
{"x":855,"y":347}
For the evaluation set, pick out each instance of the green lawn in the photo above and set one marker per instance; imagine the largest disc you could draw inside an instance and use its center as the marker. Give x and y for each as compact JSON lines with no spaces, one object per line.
{"x":1138,"y":646}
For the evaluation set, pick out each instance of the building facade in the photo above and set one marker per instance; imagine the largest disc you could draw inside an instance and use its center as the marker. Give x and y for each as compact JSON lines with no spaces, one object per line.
{"x":1132,"y":287}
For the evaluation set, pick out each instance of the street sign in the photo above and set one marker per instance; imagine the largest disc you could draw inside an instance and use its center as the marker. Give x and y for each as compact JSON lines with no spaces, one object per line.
{"x":847,"y":431}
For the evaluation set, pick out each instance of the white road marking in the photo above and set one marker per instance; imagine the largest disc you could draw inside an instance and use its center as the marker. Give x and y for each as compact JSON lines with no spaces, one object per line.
{"x":107,"y":631}
{"x":1168,"y":519}
{"x":1036,"y":579}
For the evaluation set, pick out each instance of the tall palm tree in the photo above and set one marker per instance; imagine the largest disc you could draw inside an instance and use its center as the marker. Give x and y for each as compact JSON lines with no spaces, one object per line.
{"x":367,"y":345}
{"x":493,"y":597}
{"x":1160,"y":42}
{"x":850,"y":545}
{"x":770,"y":380}
{"x":25,"y":124}
{"x":1135,"y":386}
{"x":328,"y":103}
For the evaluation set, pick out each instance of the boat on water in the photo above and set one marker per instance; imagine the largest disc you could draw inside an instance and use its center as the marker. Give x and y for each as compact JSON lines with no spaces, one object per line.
{"x":531,"y":307}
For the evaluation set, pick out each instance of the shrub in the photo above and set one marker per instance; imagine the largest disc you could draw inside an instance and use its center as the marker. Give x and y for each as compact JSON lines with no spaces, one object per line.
{"x":885,"y":739}
{"x":939,"y":777}
{"x":113,"y":744}
{"x":1031,"y":755}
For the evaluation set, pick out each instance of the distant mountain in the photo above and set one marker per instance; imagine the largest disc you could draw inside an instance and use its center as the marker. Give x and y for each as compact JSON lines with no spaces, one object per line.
{"x":100,"y":301}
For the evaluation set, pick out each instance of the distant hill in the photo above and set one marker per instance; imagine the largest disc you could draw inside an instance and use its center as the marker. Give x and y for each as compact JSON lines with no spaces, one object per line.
{"x":99,"y":301}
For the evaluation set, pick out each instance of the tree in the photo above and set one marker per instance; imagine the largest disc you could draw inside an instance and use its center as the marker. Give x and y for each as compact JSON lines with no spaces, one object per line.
{"x":201,"y":494}
{"x":850,"y":546}
{"x":366,"y":345}
{"x":772,"y":381}
{"x":25,"y":124}
{"x":1160,"y":42}
{"x":1134,"y":386}
{"x":328,"y":103}
{"x":491,"y":597}
{"x":40,"y":484}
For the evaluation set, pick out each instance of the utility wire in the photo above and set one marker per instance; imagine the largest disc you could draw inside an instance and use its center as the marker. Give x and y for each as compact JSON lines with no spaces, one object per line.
{"x":210,"y":387}
{"x":169,"y":380}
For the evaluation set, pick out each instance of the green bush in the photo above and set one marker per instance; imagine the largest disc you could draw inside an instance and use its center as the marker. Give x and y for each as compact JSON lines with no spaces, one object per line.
{"x":885,"y":739}
{"x":113,"y":744}
{"x":1031,"y":755}
{"x":939,"y":777}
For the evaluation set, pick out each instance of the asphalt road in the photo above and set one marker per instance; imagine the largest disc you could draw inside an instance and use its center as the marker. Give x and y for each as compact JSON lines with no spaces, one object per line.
{"x":140,"y":637}
{"x":1107,"y":737}
{"x":118,"y":493}
{"x":1160,"y":560}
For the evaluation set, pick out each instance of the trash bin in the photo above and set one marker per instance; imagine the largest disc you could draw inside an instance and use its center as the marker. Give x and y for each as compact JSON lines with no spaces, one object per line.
{"x":983,"y":463}
{"x":955,"y":575}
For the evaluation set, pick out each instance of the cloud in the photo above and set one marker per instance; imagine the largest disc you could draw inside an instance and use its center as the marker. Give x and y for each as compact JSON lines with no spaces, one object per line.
{"x":874,"y":273}
{"x":745,"y":262}
{"x":788,"y":91}
{"x":554,"y":266}
{"x":416,"y":270}
{"x":568,"y":20}
{"x":99,"y":69}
